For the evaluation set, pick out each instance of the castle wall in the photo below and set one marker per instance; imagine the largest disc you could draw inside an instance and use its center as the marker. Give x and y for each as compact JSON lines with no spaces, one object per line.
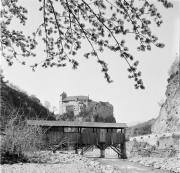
{"x":76,"y":104}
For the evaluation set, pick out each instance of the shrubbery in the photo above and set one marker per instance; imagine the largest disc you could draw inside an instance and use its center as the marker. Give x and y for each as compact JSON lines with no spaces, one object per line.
{"x":19,"y":139}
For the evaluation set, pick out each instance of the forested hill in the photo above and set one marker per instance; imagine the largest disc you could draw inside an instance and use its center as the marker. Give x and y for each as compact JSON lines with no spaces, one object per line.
{"x":15,"y":102}
{"x":141,"y":128}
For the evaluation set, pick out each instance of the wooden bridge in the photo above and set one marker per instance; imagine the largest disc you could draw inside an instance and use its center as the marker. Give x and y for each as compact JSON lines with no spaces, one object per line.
{"x":85,"y":135}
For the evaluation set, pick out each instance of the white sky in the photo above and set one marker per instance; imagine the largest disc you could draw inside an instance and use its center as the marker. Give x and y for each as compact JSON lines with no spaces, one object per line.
{"x":130,"y":105}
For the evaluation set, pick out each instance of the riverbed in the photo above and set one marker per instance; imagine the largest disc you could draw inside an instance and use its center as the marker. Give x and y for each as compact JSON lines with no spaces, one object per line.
{"x":69,"y":162}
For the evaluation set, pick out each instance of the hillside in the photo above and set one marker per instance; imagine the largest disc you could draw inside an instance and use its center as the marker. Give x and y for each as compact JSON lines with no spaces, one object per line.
{"x":169,"y":115}
{"x":15,"y":102}
{"x":141,"y":128}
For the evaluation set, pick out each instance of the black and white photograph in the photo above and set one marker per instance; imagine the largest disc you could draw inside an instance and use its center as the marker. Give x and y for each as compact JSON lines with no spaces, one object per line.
{"x":90,"y":86}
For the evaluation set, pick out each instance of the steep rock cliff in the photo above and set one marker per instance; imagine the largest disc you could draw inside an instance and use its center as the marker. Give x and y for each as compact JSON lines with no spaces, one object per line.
{"x":98,"y":112}
{"x":169,"y":116}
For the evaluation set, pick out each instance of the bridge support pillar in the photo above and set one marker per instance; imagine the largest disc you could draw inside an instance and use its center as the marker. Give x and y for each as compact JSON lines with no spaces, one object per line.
{"x":123,"y":151}
{"x":76,"y":151}
{"x":82,"y":152}
{"x":102,"y":153}
{"x":102,"y":150}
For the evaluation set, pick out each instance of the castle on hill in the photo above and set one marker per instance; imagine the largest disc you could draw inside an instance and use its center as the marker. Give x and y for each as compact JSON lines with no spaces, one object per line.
{"x":73,"y":104}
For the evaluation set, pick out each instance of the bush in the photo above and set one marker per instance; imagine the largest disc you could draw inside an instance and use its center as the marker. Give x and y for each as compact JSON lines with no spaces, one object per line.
{"x":19,"y":138}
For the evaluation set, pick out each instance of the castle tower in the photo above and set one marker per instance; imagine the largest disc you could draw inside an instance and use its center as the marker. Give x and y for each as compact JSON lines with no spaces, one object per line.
{"x":61,"y":109}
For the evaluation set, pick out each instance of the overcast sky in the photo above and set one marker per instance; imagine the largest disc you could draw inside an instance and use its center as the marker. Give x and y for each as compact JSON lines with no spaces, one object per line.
{"x":130,"y":105}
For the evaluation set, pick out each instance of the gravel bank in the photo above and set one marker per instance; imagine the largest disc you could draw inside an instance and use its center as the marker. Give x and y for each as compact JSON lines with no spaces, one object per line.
{"x":68,"y":162}
{"x":48,"y":162}
{"x":171,"y":164}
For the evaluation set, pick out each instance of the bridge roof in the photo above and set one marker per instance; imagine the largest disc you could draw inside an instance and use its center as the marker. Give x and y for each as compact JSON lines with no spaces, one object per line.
{"x":77,"y":124}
